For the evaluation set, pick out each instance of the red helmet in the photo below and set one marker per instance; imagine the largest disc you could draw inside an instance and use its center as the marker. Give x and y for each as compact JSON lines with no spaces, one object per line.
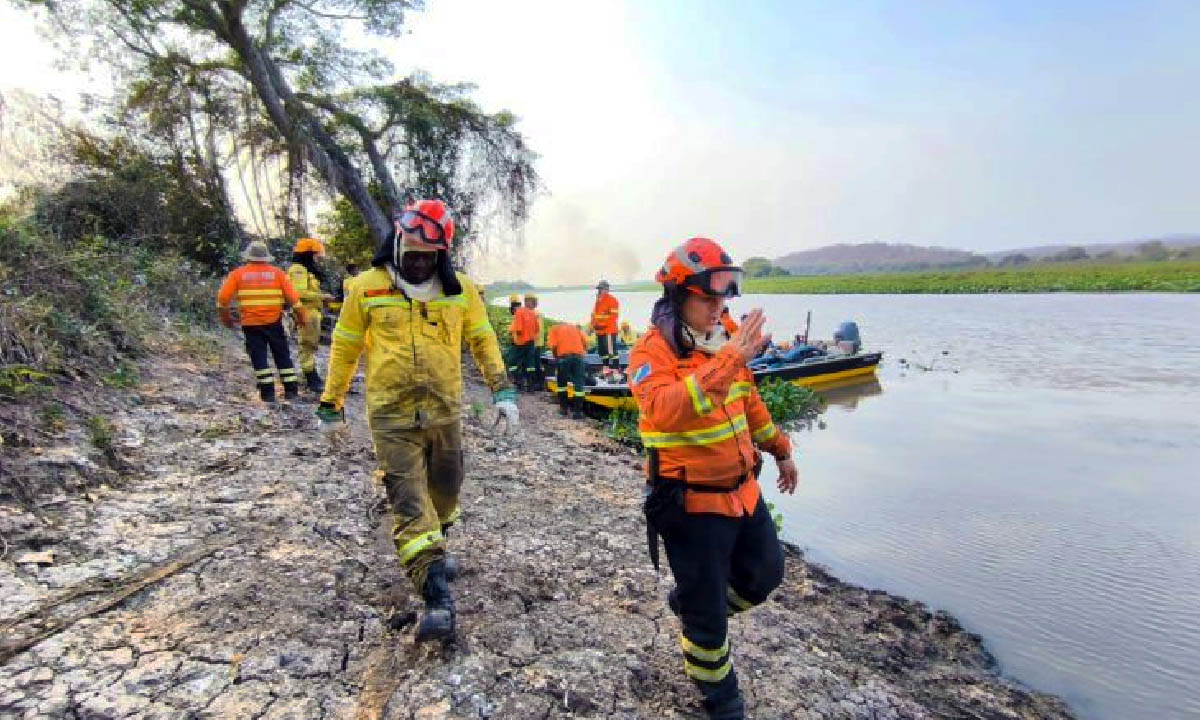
{"x":701,"y":266}
{"x":430,"y":220}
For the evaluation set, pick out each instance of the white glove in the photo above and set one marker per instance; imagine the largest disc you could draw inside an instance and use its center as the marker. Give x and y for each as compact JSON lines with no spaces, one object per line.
{"x":507,"y":411}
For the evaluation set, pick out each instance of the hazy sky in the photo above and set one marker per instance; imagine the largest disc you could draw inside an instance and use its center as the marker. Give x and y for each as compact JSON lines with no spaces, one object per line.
{"x":777,"y":126}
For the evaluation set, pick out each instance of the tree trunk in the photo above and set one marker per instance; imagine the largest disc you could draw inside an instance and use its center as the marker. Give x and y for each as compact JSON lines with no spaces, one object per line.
{"x":298,"y":125}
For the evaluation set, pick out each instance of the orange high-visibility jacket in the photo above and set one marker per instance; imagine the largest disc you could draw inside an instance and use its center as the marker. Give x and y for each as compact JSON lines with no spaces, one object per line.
{"x":261,"y":290}
{"x":703,"y":417}
{"x":566,"y":339}
{"x":526,"y":326}
{"x":604,"y":314}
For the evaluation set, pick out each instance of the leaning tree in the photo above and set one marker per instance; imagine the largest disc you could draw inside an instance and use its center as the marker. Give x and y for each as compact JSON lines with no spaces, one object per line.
{"x":330,"y":103}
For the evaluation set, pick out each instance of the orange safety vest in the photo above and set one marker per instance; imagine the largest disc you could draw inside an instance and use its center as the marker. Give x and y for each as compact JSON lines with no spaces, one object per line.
{"x":566,"y":339}
{"x":702,"y":417}
{"x":261,"y":290}
{"x":526,"y":326}
{"x":604,"y":314}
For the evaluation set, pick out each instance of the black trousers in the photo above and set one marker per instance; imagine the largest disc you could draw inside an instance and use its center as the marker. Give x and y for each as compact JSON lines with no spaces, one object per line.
{"x":722,"y":566}
{"x":262,"y":343}
{"x":606,"y":348}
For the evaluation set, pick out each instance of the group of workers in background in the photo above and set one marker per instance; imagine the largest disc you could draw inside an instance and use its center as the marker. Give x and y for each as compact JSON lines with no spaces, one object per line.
{"x":702,"y":421}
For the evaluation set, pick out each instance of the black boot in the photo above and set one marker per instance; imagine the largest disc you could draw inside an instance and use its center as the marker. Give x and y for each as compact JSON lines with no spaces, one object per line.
{"x":451,"y":567}
{"x":726,"y":706}
{"x":437,"y":621}
{"x":291,"y":390}
{"x":563,"y":403}
{"x":577,"y":407}
{"x":315,"y":384}
{"x":267,"y":393}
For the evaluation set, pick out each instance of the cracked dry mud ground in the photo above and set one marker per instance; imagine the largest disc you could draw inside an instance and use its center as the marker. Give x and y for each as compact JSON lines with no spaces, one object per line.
{"x":283,"y":613}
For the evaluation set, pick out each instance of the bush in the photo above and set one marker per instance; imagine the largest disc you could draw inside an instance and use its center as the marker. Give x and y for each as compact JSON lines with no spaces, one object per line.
{"x":788,"y":403}
{"x":83,"y":306}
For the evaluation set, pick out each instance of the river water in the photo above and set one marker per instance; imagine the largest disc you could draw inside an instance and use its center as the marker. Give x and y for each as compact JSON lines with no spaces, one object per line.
{"x":1040,"y":480}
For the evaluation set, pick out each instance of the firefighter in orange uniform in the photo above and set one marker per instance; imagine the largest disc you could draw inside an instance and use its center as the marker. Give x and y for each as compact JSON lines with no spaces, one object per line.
{"x":526,"y":327}
{"x":703,"y":425}
{"x":605,"y":322}
{"x":261,"y":291}
{"x":567,"y":342}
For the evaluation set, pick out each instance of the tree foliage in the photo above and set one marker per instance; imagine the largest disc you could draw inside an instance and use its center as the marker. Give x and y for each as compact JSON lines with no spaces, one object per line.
{"x":279,"y":77}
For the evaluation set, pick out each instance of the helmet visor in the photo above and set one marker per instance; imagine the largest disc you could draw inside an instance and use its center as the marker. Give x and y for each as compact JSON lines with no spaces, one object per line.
{"x":721,"y":282}
{"x":429,"y":230}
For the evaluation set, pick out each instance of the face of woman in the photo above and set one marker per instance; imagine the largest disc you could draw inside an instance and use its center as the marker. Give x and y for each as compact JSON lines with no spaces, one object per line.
{"x":702,"y":312}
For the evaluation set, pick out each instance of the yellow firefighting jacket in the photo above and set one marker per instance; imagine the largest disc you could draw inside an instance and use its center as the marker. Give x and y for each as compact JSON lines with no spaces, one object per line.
{"x":413,"y":349}
{"x":307,"y":287}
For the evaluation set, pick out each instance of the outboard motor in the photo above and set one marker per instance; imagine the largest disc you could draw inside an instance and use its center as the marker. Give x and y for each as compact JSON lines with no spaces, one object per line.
{"x":847,"y":332}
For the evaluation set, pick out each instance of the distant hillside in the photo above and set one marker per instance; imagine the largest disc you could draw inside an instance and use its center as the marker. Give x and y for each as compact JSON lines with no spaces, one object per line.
{"x":1129,"y":247}
{"x":875,"y":257}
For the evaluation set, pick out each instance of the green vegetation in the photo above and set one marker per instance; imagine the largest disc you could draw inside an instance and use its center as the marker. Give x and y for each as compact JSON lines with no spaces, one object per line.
{"x":788,"y":403}
{"x":1091,"y":276}
{"x":622,"y":426}
{"x":762,"y":267}
{"x":80,"y":306}
{"x":100,"y":433}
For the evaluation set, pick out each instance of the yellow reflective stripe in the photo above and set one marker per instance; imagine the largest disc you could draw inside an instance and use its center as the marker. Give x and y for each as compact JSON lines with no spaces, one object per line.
{"x":385,"y":301}
{"x":459,"y":300}
{"x":410,"y":549}
{"x":703,"y":653}
{"x":707,"y":436}
{"x":483,"y":327}
{"x":706,"y":675}
{"x":348,"y":335}
{"x":454,"y":515}
{"x":765,"y":433}
{"x":700,"y":402}
{"x":737,"y":391}
{"x":264,"y":302}
{"x":274,"y":292}
{"x":737,"y":601}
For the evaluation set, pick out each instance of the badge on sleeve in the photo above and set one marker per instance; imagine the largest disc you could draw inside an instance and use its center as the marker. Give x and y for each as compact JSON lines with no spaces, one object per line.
{"x":641,"y":373}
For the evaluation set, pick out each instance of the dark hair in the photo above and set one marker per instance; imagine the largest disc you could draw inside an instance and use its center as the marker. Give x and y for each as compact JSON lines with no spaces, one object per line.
{"x":667,"y":316}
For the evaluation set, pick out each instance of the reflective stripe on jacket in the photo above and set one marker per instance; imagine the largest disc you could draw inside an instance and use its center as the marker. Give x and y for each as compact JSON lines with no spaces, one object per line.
{"x":704,"y":417}
{"x":605,"y":314}
{"x":413,"y":350}
{"x":308,"y":287}
{"x":260,"y":290}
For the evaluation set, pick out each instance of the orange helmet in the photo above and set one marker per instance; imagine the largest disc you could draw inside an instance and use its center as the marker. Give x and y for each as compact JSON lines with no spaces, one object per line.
{"x":309,"y":245}
{"x":701,"y":266}
{"x":430,"y":220}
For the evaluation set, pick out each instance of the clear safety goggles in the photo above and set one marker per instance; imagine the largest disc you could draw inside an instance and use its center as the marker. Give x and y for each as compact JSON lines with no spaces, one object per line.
{"x":429,"y":230}
{"x":722,"y":282}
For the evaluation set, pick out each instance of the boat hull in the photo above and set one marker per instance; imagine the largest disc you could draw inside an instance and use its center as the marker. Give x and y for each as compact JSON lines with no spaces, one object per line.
{"x":837,"y":371}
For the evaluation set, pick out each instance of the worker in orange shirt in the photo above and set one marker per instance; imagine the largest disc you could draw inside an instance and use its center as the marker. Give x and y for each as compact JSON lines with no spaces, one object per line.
{"x":526,"y":327}
{"x":704,"y":426}
{"x":567,"y":342}
{"x":605,"y":322}
{"x":261,"y":291}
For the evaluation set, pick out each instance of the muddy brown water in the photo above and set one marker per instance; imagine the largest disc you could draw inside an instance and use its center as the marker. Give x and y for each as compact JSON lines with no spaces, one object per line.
{"x":1033,"y":467}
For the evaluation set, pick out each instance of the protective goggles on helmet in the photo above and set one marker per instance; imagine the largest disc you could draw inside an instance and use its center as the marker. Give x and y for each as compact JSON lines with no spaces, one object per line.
{"x":428,"y":229}
{"x":719,"y":282}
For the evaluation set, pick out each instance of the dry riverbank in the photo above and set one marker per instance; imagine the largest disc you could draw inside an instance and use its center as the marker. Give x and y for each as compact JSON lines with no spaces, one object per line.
{"x":232,"y":566}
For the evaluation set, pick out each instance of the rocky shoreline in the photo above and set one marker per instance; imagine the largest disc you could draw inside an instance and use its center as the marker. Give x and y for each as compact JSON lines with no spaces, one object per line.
{"x":217,"y":560}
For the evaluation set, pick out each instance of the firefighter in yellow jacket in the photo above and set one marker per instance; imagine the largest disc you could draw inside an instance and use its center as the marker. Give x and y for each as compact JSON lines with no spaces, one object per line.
{"x":412,"y":313}
{"x":306,"y":277}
